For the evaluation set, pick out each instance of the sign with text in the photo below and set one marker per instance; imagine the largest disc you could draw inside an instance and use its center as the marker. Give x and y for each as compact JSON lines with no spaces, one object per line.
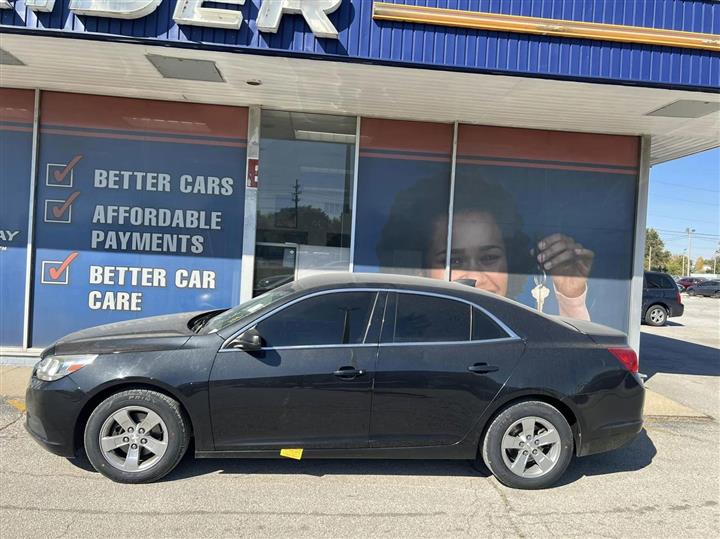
{"x":16,"y":118}
{"x":140,"y":210}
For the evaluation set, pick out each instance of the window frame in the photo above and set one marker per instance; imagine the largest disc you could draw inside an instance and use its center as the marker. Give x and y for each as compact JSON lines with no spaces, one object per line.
{"x":379,"y":303}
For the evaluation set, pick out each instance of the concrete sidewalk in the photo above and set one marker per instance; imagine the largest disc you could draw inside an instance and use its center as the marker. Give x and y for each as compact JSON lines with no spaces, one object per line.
{"x":14,"y":380}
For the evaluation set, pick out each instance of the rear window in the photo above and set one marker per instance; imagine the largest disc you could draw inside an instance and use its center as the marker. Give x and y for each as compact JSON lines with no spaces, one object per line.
{"x":658,"y":280}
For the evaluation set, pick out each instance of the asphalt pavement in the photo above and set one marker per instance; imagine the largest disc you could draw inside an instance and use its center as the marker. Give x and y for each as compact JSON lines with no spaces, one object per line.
{"x":666,"y":483}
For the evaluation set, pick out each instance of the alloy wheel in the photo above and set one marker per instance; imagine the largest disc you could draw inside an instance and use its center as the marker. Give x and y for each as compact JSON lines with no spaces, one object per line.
{"x":133,"y":439}
{"x":657,"y":315}
{"x":531,"y":447}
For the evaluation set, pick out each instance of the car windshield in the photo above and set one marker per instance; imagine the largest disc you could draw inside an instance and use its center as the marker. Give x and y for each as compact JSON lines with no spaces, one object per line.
{"x":236,"y":314}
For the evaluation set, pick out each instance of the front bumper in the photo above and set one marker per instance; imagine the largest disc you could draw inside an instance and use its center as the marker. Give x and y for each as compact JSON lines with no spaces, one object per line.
{"x":53,"y":409}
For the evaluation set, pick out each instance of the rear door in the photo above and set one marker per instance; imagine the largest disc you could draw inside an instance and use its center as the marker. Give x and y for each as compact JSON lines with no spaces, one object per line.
{"x":441,"y":362}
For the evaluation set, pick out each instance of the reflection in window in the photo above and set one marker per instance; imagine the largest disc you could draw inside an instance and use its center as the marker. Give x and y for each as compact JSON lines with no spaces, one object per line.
{"x":304,"y":210}
{"x":429,"y":319}
{"x":339,"y":318}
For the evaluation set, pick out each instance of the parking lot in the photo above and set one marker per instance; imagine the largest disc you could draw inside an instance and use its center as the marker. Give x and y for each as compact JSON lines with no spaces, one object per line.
{"x":666,"y":483}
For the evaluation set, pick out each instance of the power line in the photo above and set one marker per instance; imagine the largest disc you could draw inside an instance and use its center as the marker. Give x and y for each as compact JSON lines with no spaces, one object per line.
{"x":684,"y":219}
{"x":686,"y":186}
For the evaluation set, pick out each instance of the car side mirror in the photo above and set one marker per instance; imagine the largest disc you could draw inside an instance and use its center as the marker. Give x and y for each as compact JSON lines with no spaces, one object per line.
{"x":249,"y":341}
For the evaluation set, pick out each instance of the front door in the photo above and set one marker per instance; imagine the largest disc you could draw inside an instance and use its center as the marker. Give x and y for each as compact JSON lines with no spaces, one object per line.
{"x":310,"y":385}
{"x":441,"y":363}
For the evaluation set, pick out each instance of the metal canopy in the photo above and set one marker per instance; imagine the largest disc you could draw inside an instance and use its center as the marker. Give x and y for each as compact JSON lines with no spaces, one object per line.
{"x":321,"y":86}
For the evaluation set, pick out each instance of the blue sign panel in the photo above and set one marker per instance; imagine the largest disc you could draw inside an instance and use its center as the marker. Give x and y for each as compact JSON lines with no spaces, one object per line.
{"x":346,"y":30}
{"x":139,"y":211}
{"x":16,"y":116}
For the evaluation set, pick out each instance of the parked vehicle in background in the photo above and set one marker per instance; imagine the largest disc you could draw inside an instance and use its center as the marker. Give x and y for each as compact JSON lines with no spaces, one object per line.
{"x":661,"y":298}
{"x":344,"y":365}
{"x":687,"y":282}
{"x":706,"y":288}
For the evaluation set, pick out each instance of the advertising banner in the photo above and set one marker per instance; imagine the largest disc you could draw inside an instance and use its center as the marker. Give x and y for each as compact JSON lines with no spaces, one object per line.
{"x":16,"y":119}
{"x":139,"y":210}
{"x":542,"y":217}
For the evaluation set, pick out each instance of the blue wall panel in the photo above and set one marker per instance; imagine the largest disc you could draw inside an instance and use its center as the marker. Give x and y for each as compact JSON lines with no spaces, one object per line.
{"x":363,"y":39}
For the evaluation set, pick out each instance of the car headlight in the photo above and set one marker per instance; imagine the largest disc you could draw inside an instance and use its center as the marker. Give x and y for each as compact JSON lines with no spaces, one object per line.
{"x":55,"y":367}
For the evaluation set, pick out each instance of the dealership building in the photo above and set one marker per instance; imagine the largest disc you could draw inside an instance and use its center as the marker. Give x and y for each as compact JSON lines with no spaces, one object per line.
{"x":159,"y":156}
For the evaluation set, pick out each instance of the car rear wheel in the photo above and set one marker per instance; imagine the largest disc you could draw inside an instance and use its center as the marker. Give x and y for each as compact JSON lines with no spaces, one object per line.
{"x":656,"y":315}
{"x":528,"y":445}
{"x":136,"y":436}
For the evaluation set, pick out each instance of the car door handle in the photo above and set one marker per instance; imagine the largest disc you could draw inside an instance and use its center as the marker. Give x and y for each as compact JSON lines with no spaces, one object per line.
{"x":482,"y":368}
{"x":348,"y":372}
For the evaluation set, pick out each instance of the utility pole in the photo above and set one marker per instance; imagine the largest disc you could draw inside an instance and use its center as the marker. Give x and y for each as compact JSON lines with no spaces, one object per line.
{"x":296,"y":199}
{"x":689,"y":233}
{"x":650,"y":259}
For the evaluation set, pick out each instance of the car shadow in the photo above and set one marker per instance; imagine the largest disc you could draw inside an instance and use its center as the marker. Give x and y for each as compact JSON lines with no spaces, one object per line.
{"x":635,"y":456}
{"x":659,"y":354}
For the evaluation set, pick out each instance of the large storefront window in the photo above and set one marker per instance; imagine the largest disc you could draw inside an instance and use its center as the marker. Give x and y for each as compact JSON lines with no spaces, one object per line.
{"x":304,"y":212}
{"x":546,"y":218}
{"x":16,"y":127}
{"x":403,"y":184}
{"x":139,"y":210}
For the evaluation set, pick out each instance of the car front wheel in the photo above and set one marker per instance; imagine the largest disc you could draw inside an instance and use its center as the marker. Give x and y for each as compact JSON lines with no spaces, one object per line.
{"x":528,"y":445}
{"x":656,"y":315}
{"x":136,"y":436}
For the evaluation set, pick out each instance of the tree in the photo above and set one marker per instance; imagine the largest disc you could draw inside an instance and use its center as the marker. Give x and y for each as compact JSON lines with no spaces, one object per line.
{"x":700,"y":265}
{"x":676,"y":265}
{"x":657,"y":258}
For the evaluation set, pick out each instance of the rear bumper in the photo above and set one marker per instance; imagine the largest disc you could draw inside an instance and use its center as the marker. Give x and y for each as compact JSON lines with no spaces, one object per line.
{"x":611,"y":437}
{"x":676,"y":309}
{"x":611,"y":418}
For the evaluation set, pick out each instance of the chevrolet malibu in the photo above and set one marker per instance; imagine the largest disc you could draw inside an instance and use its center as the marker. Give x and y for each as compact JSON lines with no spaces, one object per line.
{"x":341,"y":366}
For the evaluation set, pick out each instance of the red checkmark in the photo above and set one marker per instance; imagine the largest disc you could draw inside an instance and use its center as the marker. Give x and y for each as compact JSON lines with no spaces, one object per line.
{"x":61,"y":174}
{"x":59,"y":210}
{"x":55,"y":273}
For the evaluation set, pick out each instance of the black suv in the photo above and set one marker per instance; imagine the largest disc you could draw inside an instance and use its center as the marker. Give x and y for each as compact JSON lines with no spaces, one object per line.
{"x":661,"y":298}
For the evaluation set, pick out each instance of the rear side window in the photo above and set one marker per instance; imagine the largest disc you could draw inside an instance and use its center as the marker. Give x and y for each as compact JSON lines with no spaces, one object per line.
{"x":335,"y":318}
{"x":483,"y":328}
{"x":430,"y":319}
{"x":656,"y":280}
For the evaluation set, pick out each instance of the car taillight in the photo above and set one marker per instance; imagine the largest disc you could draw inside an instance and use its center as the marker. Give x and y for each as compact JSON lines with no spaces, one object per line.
{"x":627,"y":357}
{"x":678,"y":298}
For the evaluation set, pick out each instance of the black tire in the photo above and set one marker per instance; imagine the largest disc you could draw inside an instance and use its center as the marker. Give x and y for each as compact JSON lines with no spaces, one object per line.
{"x":656,"y":315}
{"x":175,"y":440}
{"x":492,"y":450}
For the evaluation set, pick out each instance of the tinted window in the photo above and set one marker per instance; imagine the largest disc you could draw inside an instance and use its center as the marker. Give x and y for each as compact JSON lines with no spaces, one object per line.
{"x":338,"y":318}
{"x":484,"y":328}
{"x":431,"y":319}
{"x":654,"y":280}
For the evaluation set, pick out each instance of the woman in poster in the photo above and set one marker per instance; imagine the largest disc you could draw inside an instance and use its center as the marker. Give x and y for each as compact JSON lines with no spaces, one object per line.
{"x":489,"y":246}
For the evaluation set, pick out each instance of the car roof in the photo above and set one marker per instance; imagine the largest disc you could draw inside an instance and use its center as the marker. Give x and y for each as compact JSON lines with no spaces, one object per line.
{"x":381,"y":280}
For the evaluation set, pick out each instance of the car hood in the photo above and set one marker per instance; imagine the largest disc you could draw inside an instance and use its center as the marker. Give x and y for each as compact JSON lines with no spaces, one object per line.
{"x":166,"y":332}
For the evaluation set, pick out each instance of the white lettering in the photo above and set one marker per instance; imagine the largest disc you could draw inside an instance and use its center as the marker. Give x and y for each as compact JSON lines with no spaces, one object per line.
{"x":195,"y":279}
{"x":314,"y":11}
{"x":40,"y":5}
{"x":115,"y":301}
{"x":192,"y":13}
{"x":132,"y":180}
{"x":8,"y":235}
{"x":128,"y":276}
{"x":127,"y":9}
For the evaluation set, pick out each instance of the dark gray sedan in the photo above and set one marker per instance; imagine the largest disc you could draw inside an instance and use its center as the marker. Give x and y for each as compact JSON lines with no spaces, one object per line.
{"x":342,"y":366}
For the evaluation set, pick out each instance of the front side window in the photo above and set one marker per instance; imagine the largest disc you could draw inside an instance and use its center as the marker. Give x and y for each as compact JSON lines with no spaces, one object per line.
{"x":430,"y":319}
{"x":327,"y":319}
